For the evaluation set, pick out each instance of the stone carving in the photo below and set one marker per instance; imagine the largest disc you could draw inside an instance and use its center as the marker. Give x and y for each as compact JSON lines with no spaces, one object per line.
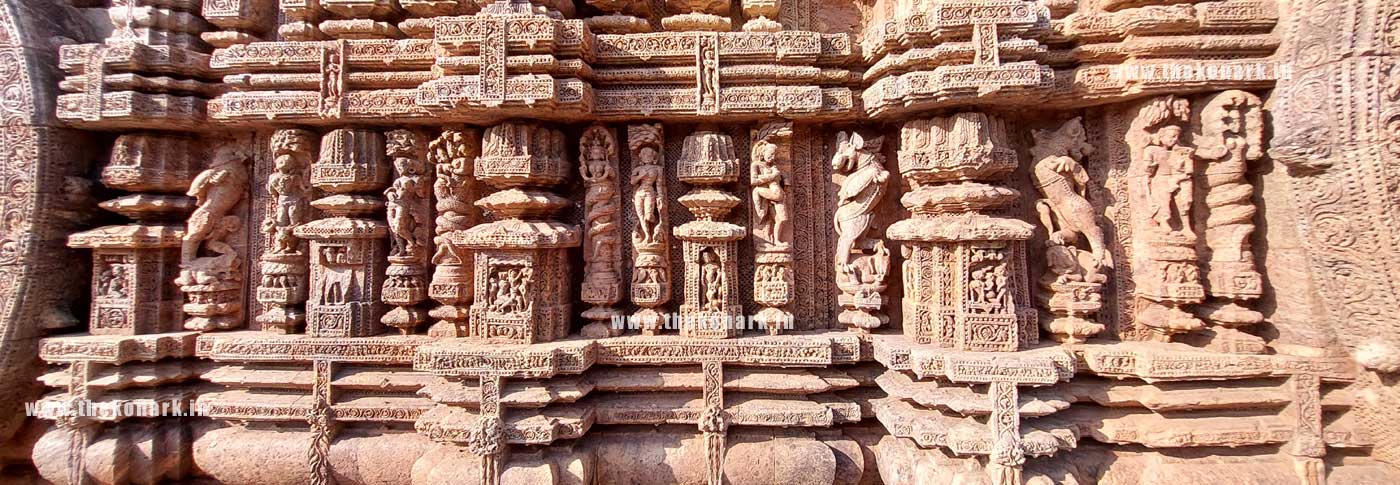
{"x":1230,"y":139}
{"x":771,"y":159}
{"x":1160,"y":214}
{"x":602,"y":229}
{"x":710,"y":245}
{"x":211,"y":268}
{"x":520,"y":259}
{"x":1074,"y":278}
{"x":348,"y":249}
{"x":1161,"y":192}
{"x":651,"y":245}
{"x":410,"y":219}
{"x":965,"y":266}
{"x":284,"y":261}
{"x":453,"y":154}
{"x":861,"y":277}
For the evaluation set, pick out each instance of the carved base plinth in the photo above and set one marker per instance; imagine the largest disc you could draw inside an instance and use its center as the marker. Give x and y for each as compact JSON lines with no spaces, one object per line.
{"x":1234,"y":280}
{"x":353,"y":319}
{"x":696,"y":21}
{"x":1171,"y":271}
{"x":404,"y":288}
{"x":1224,"y":339}
{"x":452,"y":287}
{"x":1071,"y":329}
{"x":774,"y":320}
{"x":217,"y":306}
{"x":1071,"y":302}
{"x":696,"y":323}
{"x":602,"y":322}
{"x":862,"y":304}
{"x":452,"y":321}
{"x":281,"y":291}
{"x":1164,"y":320}
{"x":542,"y":324}
{"x":1228,"y":313}
{"x":282,"y":320}
{"x":602,"y":296}
{"x":649,"y":321}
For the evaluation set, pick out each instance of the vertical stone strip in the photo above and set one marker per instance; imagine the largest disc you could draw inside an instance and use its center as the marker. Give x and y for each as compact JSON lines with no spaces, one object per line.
{"x":488,"y":440}
{"x":493,"y":61}
{"x":322,"y":429}
{"x":712,"y":421}
{"x":1308,"y":447}
{"x":1004,"y":464}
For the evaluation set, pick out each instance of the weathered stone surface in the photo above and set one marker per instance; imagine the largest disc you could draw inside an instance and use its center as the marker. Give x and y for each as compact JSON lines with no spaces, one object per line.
{"x":409,"y":242}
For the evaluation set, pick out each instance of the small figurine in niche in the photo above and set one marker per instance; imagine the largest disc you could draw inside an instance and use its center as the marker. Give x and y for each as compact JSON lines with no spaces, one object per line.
{"x":1169,"y":168}
{"x":287,"y":188}
{"x":406,"y":200}
{"x":769,"y":196}
{"x":647,"y":177}
{"x":711,"y":281}
{"x":112,"y":283}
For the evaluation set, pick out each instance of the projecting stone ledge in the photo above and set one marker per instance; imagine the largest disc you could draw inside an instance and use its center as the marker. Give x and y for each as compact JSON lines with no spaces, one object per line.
{"x":117,"y":349}
{"x":468,"y":358}
{"x":1149,"y":361}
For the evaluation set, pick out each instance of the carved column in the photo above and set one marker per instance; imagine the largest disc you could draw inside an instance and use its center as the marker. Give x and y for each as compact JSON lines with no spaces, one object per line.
{"x":453,"y":154}
{"x":1160,"y":191}
{"x":134,"y":266}
{"x":965,"y":271}
{"x":651,"y":233}
{"x":602,"y":226}
{"x":710,"y":245}
{"x":769,"y":167}
{"x":410,"y":219}
{"x":283,"y":288}
{"x":861,"y":258}
{"x":1229,"y":138}
{"x":348,"y":247}
{"x":521,"y":261}
{"x":211,"y":268}
{"x":1074,"y":277}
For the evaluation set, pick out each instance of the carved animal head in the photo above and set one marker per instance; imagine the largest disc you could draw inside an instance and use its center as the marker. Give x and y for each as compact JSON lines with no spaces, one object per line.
{"x":1067,"y":140}
{"x":854,"y":151}
{"x":229,"y":152}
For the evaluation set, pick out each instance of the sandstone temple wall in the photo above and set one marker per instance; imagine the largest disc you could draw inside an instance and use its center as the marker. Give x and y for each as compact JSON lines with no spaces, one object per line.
{"x":418,"y":242}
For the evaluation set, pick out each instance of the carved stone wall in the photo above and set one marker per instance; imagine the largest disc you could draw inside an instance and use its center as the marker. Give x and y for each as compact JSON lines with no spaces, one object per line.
{"x":691,"y":241}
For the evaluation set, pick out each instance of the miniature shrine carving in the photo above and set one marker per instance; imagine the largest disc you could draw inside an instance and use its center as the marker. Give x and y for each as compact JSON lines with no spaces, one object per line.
{"x":423,"y":242}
